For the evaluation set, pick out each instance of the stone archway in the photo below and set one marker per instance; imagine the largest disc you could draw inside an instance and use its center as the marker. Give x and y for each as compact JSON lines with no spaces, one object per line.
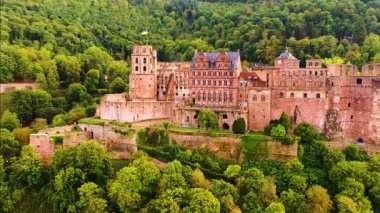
{"x":226,"y":126}
{"x":360,"y":140}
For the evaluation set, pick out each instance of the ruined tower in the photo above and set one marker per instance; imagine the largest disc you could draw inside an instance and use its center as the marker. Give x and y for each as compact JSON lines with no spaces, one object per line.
{"x":143,"y":79}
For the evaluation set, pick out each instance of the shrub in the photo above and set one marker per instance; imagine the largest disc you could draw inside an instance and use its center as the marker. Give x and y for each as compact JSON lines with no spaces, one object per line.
{"x":238,"y":127}
{"x":278,"y":132}
{"x":92,"y":121}
{"x":59,"y":120}
{"x":76,"y":114}
{"x":57,"y":139}
{"x":91,"y":110}
{"x":307,"y":132}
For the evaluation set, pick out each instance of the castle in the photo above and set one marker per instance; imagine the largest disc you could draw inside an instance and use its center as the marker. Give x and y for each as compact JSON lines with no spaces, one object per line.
{"x":340,"y":100}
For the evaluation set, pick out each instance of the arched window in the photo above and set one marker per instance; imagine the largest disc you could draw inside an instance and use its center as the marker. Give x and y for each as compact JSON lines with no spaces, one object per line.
{"x":292,"y":95}
{"x":281,"y":95}
{"x":254,"y":98}
{"x":318,"y":95}
{"x":305,"y":95}
{"x":262,"y":98}
{"x":137,"y":60}
{"x":349,"y":104}
{"x":136,"y":68}
{"x":225,"y":116}
{"x":144,"y":60}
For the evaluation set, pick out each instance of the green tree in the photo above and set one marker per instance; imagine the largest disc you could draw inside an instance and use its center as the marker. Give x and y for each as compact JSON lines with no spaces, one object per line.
{"x":201,"y":200}
{"x":7,"y":67}
{"x":294,"y":202}
{"x":9,"y":120}
{"x":238,"y":127}
{"x":59,"y":120}
{"x":346,"y":205}
{"x":275,"y":208}
{"x":336,"y":60}
{"x":39,"y":124}
{"x":125,"y":189}
{"x":298,"y":183}
{"x":286,"y":122}
{"x":307,"y":132}
{"x":9,"y":147}
{"x":48,"y":78}
{"x":278,"y":132}
{"x":22,"y":135}
{"x":68,"y":68}
{"x":26,"y":103}
{"x":89,"y":157}
{"x":353,"y":152}
{"x":232,"y":171}
{"x":90,"y":198}
{"x":92,"y":80}
{"x":318,"y":200}
{"x":332,"y":157}
{"x":95,"y":58}
{"x":75,"y":114}
{"x":198,"y":180}
{"x":117,"y":85}
{"x":207,"y":119}
{"x":118,"y":69}
{"x":77,"y":94}
{"x":28,"y":168}
{"x":268,"y":192}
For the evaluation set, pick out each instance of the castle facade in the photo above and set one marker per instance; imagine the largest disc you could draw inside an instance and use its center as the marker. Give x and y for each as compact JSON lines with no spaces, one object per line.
{"x":340,"y":100}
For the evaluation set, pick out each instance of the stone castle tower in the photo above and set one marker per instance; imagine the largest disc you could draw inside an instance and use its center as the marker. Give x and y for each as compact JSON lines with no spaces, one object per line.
{"x":143,"y":79}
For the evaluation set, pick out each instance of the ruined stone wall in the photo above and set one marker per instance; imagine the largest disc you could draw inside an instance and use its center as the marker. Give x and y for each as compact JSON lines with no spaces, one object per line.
{"x":374,"y":124}
{"x":187,"y":116}
{"x":111,"y":139}
{"x":150,"y":122}
{"x":228,"y":146}
{"x":74,"y":138}
{"x":353,"y":97}
{"x":14,"y":86}
{"x":132,"y":111}
{"x":43,"y":145}
{"x":57,"y":130}
{"x":259,"y":108}
{"x":281,"y":152}
{"x":311,"y":110}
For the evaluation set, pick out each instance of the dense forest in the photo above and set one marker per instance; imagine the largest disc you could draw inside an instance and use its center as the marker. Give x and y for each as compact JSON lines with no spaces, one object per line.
{"x":46,"y":33}
{"x":83,"y":179}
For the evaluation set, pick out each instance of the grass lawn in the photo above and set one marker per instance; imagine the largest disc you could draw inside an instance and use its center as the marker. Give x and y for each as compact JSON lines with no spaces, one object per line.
{"x":251,"y":141}
{"x":194,"y":130}
{"x":118,"y":164}
{"x":5,"y":101}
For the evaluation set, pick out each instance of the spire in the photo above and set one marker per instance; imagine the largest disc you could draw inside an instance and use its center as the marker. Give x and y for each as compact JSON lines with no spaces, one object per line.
{"x":286,"y":49}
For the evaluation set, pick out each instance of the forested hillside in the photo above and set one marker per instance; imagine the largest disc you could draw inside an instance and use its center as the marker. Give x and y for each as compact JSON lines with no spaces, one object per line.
{"x":32,"y":31}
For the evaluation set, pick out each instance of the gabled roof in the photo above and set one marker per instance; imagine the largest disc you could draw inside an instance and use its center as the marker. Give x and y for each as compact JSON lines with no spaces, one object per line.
{"x":253,"y":75}
{"x":286,"y":55}
{"x":233,"y":56}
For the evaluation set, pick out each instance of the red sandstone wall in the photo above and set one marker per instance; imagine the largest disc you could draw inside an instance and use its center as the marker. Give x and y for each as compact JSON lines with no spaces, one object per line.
{"x":354,"y":102}
{"x":111,"y":139}
{"x":74,"y":138}
{"x":228,"y":146}
{"x":312,"y":109}
{"x":132,"y":111}
{"x":259,"y":108}
{"x":43,"y":146}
